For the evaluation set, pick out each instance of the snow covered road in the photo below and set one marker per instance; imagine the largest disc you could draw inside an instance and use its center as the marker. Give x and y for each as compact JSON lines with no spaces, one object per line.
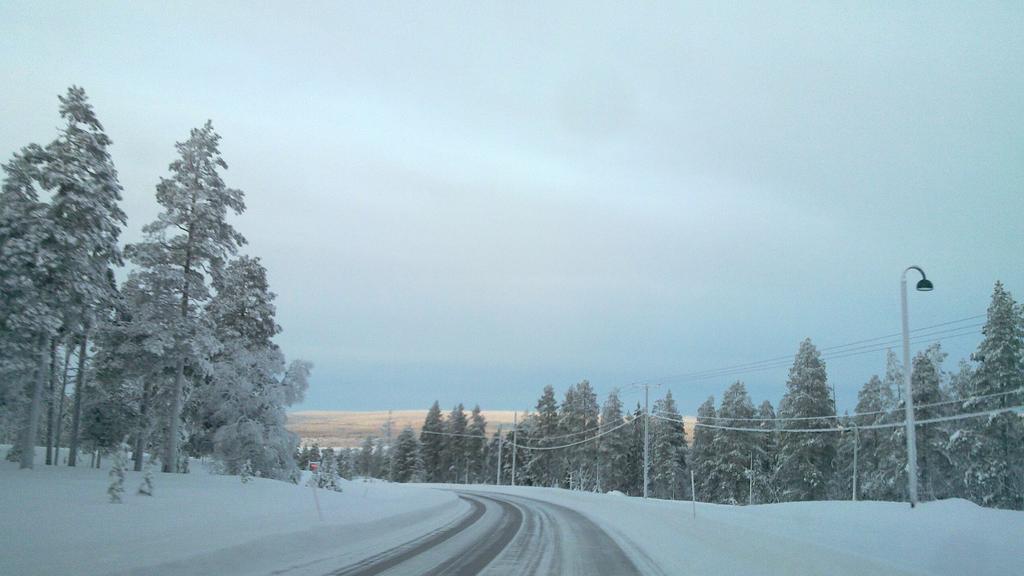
{"x":507,"y":535}
{"x":58,"y":520}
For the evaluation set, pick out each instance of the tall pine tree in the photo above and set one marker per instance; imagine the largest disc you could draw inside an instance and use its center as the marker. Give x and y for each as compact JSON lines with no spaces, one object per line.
{"x":190,"y":241}
{"x":734,"y":450}
{"x":989,"y":451}
{"x":432,"y":443}
{"x":703,"y":459}
{"x":806,"y":460}
{"x":545,"y":467}
{"x":614,"y":447}
{"x":668,"y":451}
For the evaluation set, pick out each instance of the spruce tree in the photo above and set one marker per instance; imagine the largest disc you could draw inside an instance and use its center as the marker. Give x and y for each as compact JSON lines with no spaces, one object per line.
{"x":344,"y":463}
{"x":327,"y":473}
{"x":703,"y":459}
{"x":635,"y":462}
{"x":934,"y":465}
{"x":406,"y":464}
{"x":806,"y":460}
{"x":586,"y":453}
{"x":476,"y":445}
{"x":889,"y":472}
{"x":868,"y":445}
{"x":579,"y":417}
{"x":432,"y":443}
{"x":766,"y":457}
{"x":668,"y":451}
{"x":989,"y":451}
{"x":544,"y":466}
{"x":613,"y":447}
{"x":364,"y":460}
{"x":455,"y":445}
{"x":734,"y":450}
{"x":380,"y":462}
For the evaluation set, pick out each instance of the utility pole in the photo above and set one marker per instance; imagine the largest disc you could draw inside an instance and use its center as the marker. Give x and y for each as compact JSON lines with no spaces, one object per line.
{"x":647,"y":434}
{"x":501,"y":440}
{"x":750,"y":497}
{"x":647,"y":441}
{"x":515,"y":443}
{"x":856,"y":441}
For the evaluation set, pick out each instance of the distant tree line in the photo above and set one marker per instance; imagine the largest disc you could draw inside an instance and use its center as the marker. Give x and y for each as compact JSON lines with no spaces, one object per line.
{"x":374,"y":458}
{"x":177,"y":359}
{"x":741,"y":453}
{"x":980,"y":458}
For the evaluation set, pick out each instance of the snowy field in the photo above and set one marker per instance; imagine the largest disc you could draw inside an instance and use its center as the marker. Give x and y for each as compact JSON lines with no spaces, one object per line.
{"x":58,"y":520}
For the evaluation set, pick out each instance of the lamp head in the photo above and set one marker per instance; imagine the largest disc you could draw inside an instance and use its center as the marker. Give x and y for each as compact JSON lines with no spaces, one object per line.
{"x":925,"y":285}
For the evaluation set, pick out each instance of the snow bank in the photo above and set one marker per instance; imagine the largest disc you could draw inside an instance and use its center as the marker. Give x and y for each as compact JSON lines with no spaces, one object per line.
{"x":946,"y":537}
{"x":57,"y":520}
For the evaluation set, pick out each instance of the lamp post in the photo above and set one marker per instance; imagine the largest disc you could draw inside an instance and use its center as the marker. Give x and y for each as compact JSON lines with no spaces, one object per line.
{"x":924,"y":285}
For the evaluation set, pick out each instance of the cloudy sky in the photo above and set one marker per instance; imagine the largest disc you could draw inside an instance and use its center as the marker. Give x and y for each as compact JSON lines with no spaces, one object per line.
{"x":468,"y":201}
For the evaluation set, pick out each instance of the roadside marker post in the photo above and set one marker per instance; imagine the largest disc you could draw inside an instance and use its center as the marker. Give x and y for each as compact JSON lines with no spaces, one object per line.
{"x":515,"y":443}
{"x":314,"y":467}
{"x":500,"y":441}
{"x":693,"y":495}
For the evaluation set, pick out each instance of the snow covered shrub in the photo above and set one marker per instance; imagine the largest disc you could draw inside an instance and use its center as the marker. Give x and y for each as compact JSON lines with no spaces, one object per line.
{"x":146,"y":487}
{"x":327,"y":474}
{"x":246,"y":472}
{"x":116,"y":475}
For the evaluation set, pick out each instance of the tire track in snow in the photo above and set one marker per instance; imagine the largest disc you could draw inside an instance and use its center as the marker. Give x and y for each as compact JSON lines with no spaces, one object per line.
{"x":388,"y":559}
{"x":556,"y":539}
{"x":505,"y":535}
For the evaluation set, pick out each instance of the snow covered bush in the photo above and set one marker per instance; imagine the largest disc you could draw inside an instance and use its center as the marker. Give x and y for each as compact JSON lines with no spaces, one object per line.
{"x":116,"y":488}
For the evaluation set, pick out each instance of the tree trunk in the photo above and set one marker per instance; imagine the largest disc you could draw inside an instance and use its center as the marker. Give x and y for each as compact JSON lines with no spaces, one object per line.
{"x":60,"y":402}
{"x":170,"y":459}
{"x":28,"y":447}
{"x":49,"y":401}
{"x":76,"y":414}
{"x":143,"y":433}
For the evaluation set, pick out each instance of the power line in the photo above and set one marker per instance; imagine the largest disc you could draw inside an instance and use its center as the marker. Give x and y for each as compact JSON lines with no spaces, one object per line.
{"x":458,"y":434}
{"x":524,"y":428}
{"x":857,"y":414}
{"x":837,"y":351}
{"x":824,"y":357}
{"x":577,"y":443}
{"x":840,"y":429}
{"x":944,"y":335}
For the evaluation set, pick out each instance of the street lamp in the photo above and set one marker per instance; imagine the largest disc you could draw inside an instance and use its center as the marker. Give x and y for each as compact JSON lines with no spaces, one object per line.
{"x":924,"y":285}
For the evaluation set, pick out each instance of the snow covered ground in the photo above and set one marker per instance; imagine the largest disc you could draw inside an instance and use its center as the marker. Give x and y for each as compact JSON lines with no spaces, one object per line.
{"x":58,"y":520}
